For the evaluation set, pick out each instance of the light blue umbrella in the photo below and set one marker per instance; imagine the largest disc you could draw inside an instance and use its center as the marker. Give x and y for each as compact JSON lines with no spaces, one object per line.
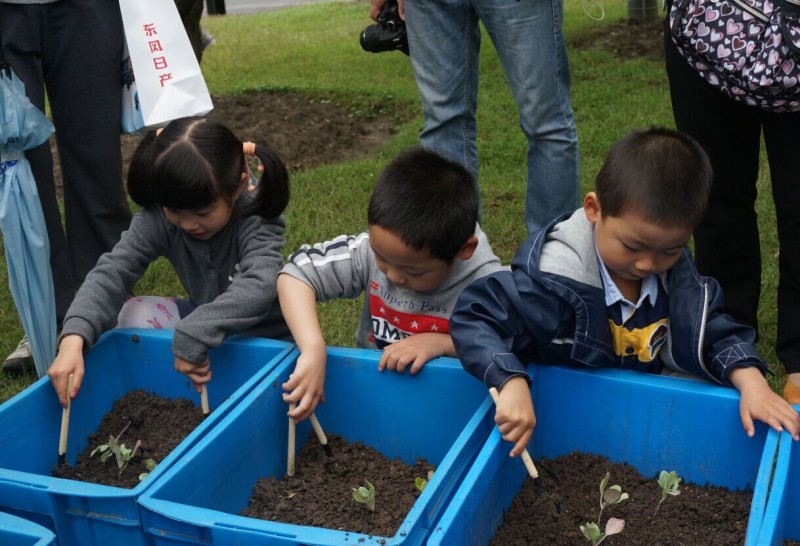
{"x":22,"y":127}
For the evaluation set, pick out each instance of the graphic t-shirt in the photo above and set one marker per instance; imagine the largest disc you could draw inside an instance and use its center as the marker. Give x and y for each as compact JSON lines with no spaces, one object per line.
{"x":345,"y":267}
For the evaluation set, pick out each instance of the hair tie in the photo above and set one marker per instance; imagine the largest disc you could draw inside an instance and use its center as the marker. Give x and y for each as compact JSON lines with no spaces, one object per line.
{"x":249,"y":149}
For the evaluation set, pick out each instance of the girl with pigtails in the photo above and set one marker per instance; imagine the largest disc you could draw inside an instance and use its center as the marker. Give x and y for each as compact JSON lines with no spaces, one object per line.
{"x":222,"y":232}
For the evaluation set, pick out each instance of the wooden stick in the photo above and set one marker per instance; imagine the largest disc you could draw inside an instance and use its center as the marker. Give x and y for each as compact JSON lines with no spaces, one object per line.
{"x":321,"y":435}
{"x":526,"y":457}
{"x":62,"y":440}
{"x":204,"y":399}
{"x":290,"y":447}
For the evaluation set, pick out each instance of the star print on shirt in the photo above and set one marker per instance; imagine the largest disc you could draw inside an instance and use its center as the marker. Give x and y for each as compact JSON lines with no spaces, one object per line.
{"x":391,"y":325}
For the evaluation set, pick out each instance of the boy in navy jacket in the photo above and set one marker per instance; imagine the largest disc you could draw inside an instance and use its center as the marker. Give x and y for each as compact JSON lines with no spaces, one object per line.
{"x":613,"y":285}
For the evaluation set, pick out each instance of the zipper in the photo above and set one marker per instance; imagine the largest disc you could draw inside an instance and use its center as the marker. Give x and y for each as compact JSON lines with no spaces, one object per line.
{"x":744,"y":6}
{"x":702,"y":336}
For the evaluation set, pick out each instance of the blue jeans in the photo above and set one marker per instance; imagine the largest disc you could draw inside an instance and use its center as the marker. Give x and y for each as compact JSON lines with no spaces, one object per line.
{"x":444,"y":41}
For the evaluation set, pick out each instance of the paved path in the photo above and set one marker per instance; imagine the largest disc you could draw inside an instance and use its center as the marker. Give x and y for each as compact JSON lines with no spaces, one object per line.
{"x":235,"y":7}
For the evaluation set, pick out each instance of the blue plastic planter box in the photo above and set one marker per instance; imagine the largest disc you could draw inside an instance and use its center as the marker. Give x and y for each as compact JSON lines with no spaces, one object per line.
{"x":781,"y":519}
{"x":651,"y":422}
{"x":442,"y":414}
{"x":15,"y":531}
{"x":86,"y":514}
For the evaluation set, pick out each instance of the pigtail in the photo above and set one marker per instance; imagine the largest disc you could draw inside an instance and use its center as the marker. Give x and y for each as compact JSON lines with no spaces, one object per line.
{"x":140,"y":171}
{"x":271,"y":195}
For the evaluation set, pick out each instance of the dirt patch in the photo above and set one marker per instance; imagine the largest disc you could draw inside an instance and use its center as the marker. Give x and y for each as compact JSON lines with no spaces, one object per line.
{"x":627,"y":39}
{"x":320,"y":494}
{"x":306,"y":129}
{"x":159,"y":423}
{"x":698,"y":515}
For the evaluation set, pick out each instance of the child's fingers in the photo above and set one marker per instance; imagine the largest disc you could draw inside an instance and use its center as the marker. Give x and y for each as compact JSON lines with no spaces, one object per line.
{"x":419,"y":362}
{"x":747,"y":421}
{"x":521,"y":444}
{"x":73,"y":392}
{"x":290,"y":384}
{"x":304,"y":408}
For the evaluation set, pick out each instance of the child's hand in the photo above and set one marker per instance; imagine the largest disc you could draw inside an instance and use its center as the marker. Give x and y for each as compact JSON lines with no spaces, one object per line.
{"x":69,"y":360}
{"x":306,"y":385}
{"x":415,"y":351}
{"x":514,"y":414}
{"x":197,"y":373}
{"x":760,"y":402}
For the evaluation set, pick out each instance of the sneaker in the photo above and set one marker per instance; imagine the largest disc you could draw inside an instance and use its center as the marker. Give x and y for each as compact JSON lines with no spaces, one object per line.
{"x":791,"y":390}
{"x":21,"y":360}
{"x":206,"y":39}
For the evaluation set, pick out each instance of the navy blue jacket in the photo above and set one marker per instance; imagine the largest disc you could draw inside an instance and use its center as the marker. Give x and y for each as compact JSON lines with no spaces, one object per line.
{"x":550,"y":308}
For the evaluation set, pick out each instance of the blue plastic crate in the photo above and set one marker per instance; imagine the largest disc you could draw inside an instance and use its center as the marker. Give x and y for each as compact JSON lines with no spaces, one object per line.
{"x":86,"y":514}
{"x":781,"y":519}
{"x":16,"y":531}
{"x":442,"y":415}
{"x":650,"y":422}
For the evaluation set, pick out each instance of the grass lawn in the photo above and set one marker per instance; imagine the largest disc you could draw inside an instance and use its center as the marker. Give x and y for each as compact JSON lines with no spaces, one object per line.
{"x":314,"y":49}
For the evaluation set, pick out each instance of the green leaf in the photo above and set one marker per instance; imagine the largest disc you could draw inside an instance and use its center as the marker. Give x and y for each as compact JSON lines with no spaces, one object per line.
{"x":612,"y":494}
{"x":365,"y":495}
{"x":420,"y":483}
{"x":604,"y":482}
{"x":591,"y":531}
{"x":101,"y":448}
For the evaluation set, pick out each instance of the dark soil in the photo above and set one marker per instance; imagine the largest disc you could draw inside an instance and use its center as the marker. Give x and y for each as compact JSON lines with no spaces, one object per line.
{"x":709,"y":516}
{"x":161,"y":424}
{"x":320,"y":494}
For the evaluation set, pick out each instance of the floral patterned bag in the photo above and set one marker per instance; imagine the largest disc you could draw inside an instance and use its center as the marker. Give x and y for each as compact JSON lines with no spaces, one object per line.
{"x":748,"y":49}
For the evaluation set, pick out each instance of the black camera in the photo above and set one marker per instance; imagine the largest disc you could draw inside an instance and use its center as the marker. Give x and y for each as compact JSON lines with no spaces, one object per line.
{"x":388,"y":34}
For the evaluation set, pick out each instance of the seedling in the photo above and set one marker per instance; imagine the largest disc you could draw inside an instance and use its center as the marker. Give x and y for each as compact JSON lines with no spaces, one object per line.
{"x":670,"y":483}
{"x":592,"y":531}
{"x":365,"y":495}
{"x":421,"y":483}
{"x":114,"y":447}
{"x":151,"y":465}
{"x":610,"y":495}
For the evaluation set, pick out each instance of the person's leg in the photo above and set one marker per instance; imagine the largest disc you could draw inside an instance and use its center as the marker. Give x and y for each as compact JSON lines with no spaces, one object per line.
{"x":782,"y":136}
{"x":444,"y":41}
{"x":22,"y":35}
{"x":190,"y":12}
{"x":727,"y":242}
{"x":530,"y":43}
{"x":85,"y":98}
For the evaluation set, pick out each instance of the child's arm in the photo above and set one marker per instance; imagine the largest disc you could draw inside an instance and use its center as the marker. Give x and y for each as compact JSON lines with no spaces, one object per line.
{"x":514,"y":414}
{"x":306,"y":385}
{"x":416,"y":351}
{"x":69,"y":360}
{"x":760,"y":402}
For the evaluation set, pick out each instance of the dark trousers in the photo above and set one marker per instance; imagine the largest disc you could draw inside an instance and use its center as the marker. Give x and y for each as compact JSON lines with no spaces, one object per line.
{"x":71,"y":49}
{"x":727,"y":242}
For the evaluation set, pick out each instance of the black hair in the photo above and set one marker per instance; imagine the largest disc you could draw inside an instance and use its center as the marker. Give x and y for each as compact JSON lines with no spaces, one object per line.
{"x":194,"y":161}
{"x":429,"y":202}
{"x":661,"y":174}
